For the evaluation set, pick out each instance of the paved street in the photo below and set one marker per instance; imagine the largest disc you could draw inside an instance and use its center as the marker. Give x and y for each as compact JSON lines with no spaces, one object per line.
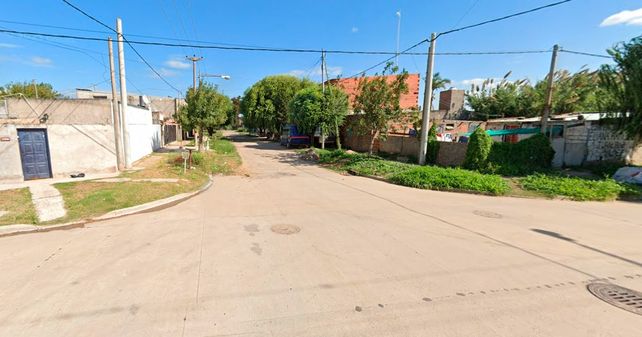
{"x":370,"y":259}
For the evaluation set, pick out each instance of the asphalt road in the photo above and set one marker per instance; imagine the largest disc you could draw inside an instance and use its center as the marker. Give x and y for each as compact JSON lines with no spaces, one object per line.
{"x":369,"y":259}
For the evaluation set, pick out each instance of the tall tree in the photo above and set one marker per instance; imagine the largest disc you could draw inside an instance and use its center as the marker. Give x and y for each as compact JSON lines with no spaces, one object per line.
{"x":438,"y":83}
{"x":379,"y":101}
{"x":206,"y":108}
{"x":265,"y":104}
{"x":306,"y":110}
{"x":623,"y":82}
{"x":312,"y":109}
{"x":335,"y":110}
{"x":29,"y":89}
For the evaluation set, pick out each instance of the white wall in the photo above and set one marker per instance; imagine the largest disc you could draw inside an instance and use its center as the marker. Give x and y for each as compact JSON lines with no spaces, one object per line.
{"x":144,"y":136}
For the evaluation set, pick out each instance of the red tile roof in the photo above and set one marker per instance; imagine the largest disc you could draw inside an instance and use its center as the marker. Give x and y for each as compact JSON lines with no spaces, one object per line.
{"x":408,"y":100}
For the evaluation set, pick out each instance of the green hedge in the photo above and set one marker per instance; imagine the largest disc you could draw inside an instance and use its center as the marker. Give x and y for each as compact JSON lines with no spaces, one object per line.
{"x":533,"y":154}
{"x":451,"y":179}
{"x":530,"y":155}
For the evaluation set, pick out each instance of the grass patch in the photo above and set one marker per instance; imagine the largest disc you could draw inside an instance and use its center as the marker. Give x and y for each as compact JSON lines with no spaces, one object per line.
{"x":575,"y":188}
{"x":86,"y":199}
{"x":451,"y":179}
{"x":426,"y":177}
{"x":17,"y":203}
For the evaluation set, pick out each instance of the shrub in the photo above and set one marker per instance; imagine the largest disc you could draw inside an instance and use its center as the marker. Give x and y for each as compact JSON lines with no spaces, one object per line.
{"x":527,"y":156}
{"x":572,"y":187}
{"x":372,"y":166}
{"x":479,"y":146}
{"x":450,"y":179}
{"x":433,"y":146}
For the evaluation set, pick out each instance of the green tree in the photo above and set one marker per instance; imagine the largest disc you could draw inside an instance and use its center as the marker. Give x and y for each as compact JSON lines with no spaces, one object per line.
{"x":233,"y":114}
{"x":438,"y":83}
{"x":265,"y":105}
{"x":378,"y":100}
{"x":334,"y":113}
{"x":45,"y":90}
{"x":623,"y":83}
{"x":572,"y":92}
{"x":206,"y":108}
{"x":306,"y":110}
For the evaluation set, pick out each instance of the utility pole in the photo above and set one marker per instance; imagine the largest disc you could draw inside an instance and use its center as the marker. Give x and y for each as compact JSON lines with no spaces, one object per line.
{"x":323,"y":70}
{"x":115,"y":110}
{"x":123,"y":91}
{"x":35,"y":87}
{"x":194,"y":59}
{"x":549,"y":90}
{"x":423,"y":140}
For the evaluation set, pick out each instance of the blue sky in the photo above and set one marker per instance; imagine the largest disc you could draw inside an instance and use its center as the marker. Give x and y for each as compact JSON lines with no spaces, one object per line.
{"x":352,"y":25}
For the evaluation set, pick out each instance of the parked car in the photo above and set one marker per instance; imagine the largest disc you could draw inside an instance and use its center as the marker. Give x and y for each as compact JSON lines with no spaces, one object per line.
{"x":290,"y":136}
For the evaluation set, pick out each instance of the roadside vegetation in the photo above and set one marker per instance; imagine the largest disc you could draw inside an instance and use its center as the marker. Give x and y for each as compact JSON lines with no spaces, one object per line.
{"x":157,"y":176}
{"x":551,"y":184}
{"x":18,"y":207}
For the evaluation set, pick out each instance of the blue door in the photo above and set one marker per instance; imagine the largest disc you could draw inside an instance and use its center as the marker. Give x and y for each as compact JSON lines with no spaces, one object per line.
{"x":34,"y":153}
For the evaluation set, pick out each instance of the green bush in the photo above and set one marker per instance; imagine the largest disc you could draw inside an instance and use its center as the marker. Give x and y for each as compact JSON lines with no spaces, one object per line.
{"x":450,"y":179}
{"x":479,"y":146}
{"x":573,"y":188}
{"x":524,"y":157}
{"x":433,"y":146}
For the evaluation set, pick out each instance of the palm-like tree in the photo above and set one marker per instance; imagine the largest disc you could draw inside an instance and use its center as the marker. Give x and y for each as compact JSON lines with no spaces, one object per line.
{"x":438,"y":82}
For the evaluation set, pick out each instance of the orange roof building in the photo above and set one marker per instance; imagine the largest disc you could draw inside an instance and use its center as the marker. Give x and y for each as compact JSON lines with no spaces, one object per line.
{"x":409,"y":100}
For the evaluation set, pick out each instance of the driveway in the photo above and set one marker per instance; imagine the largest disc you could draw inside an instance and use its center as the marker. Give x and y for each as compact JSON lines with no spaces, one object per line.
{"x":297,"y":250}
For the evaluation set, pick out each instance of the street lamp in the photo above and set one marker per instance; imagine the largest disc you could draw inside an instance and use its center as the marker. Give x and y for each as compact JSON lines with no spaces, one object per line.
{"x":225,"y":77}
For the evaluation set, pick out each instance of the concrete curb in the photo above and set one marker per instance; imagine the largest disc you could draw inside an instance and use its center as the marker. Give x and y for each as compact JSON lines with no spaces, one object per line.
{"x":157,"y":205}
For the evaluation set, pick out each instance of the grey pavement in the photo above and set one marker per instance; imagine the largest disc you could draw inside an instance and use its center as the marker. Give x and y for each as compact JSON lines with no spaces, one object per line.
{"x":297,"y":250}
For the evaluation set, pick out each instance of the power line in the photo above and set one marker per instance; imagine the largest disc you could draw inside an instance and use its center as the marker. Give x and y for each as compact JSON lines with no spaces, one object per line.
{"x":583,"y":53}
{"x":130,"y":45}
{"x":291,"y":50}
{"x":388,"y":59}
{"x":134,"y":35}
{"x":504,"y":17}
{"x":286,"y":50}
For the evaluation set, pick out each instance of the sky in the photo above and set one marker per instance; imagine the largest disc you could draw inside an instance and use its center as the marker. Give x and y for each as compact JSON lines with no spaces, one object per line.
{"x":581,"y":25}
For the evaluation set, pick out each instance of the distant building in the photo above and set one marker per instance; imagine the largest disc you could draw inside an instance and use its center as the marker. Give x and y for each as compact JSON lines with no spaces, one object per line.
{"x":409,"y":100}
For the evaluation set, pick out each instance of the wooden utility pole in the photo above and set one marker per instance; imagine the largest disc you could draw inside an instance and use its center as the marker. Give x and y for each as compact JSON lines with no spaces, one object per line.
{"x":549,"y":90}
{"x":123,"y":92}
{"x":115,"y":110}
{"x":194,"y":59}
{"x":425,"y":122}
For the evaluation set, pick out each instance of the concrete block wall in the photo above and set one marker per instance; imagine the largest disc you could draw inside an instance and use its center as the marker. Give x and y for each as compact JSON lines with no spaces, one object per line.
{"x":604,"y":143}
{"x":144,"y":136}
{"x":451,"y":154}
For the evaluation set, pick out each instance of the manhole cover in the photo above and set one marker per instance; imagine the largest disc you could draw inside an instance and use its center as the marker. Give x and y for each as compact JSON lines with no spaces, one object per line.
{"x":623,"y":298}
{"x":285,"y":229}
{"x":488,"y":214}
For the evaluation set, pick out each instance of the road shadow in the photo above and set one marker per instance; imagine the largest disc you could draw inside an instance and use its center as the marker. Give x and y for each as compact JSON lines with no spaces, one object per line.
{"x":567,"y":239}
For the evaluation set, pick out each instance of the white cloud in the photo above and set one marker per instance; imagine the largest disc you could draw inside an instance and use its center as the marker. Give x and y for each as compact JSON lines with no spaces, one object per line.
{"x":41,"y":61}
{"x":332,"y":72}
{"x":355,"y":29}
{"x":177,"y":64}
{"x":632,"y":18}
{"x":8,"y":45}
{"x":164,"y":72}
